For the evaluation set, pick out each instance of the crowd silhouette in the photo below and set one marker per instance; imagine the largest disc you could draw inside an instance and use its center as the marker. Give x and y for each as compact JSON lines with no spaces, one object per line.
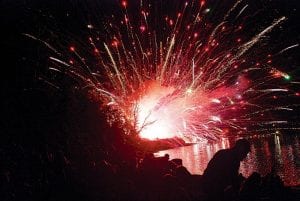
{"x":75,"y":154}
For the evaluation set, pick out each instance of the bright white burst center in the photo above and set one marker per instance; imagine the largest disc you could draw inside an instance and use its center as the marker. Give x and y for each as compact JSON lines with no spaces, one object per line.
{"x":155,"y":117}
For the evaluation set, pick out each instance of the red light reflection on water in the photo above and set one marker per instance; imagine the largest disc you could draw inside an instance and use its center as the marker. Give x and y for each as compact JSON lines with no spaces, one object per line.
{"x":266,"y":152}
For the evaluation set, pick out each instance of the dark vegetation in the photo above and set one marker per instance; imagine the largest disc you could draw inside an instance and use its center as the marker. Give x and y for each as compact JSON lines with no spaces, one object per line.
{"x":65,"y":149}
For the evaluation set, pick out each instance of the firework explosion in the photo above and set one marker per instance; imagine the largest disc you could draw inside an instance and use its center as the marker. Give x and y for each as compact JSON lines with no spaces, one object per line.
{"x":178,"y":74}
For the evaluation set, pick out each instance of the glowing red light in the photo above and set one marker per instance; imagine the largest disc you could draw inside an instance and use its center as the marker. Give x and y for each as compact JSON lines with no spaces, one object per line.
{"x":96,"y":50}
{"x":142,"y":28}
{"x":126,"y":19}
{"x":276,"y":74}
{"x":72,"y":49}
{"x":124,"y":4}
{"x":115,"y":43}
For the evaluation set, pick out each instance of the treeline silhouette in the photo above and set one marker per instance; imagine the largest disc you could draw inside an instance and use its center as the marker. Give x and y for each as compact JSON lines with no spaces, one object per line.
{"x":58,"y":145}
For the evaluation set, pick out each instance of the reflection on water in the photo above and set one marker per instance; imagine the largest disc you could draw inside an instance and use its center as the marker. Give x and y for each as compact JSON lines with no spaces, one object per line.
{"x":277,"y":151}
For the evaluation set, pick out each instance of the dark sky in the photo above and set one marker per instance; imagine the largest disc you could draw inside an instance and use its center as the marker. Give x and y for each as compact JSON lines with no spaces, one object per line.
{"x":39,"y":17}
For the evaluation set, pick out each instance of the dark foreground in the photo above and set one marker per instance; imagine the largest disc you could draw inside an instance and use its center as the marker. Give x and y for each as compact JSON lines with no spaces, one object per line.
{"x":134,"y":178}
{"x":66,"y":150}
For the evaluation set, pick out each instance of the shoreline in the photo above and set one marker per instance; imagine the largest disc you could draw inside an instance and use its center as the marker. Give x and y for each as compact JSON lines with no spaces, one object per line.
{"x":154,"y":146}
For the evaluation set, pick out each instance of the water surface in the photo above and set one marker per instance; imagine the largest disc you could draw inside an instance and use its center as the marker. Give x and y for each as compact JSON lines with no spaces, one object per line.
{"x":277,"y":151}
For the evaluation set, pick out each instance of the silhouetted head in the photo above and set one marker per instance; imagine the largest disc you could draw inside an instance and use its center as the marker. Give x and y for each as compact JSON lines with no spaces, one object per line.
{"x":242,"y":148}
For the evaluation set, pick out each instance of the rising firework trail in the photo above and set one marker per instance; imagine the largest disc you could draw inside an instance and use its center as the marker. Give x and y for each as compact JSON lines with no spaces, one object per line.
{"x":179,"y":74}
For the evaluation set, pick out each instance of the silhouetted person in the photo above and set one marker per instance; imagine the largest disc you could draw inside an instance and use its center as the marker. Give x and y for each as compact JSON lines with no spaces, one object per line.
{"x":251,"y":188}
{"x":222,"y":172}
